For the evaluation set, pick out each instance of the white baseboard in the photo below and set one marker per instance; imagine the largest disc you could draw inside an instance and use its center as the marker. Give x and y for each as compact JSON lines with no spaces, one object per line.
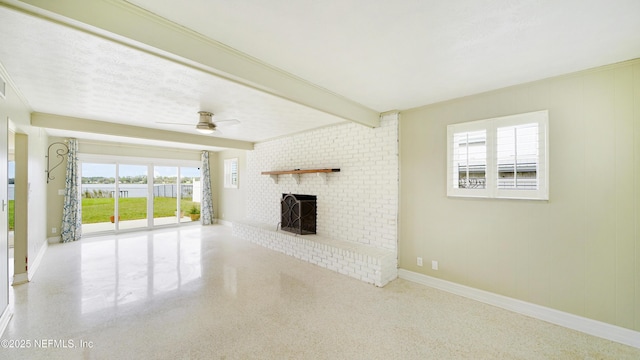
{"x":19,"y":279}
{"x":37,"y":260}
{"x":225,"y":222}
{"x":54,"y":240}
{"x":571,"y":321}
{"x":4,"y":319}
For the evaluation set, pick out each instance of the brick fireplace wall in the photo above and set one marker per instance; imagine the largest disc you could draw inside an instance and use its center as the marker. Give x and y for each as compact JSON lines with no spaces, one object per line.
{"x":359,"y":204}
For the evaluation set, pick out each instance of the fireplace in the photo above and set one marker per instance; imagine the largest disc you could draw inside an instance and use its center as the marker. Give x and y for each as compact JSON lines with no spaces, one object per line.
{"x":298,"y":213}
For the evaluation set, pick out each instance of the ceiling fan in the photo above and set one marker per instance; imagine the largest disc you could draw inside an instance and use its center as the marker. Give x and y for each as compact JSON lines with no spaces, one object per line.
{"x":206,"y":125}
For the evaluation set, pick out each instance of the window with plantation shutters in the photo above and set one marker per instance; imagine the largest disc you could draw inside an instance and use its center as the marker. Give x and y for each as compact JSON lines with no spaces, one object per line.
{"x":502,"y":157}
{"x":231,"y":173}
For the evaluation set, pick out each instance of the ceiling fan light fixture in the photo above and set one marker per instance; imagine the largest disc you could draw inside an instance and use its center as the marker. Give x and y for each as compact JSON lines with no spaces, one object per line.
{"x":205,"y":128}
{"x":205,"y":131}
{"x":205,"y":125}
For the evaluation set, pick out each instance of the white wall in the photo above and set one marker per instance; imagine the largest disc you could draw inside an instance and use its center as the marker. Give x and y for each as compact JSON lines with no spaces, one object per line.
{"x":579,"y":252}
{"x":232,"y":201}
{"x":358,"y":204}
{"x":31,"y":240}
{"x":5,"y":113}
{"x":37,"y":188}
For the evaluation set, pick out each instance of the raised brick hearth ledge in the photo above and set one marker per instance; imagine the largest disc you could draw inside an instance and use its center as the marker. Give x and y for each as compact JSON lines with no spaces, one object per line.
{"x":363,"y":262}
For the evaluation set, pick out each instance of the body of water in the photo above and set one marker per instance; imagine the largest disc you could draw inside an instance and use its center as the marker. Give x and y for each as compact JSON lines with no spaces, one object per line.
{"x":137,"y":190}
{"x":141,"y":190}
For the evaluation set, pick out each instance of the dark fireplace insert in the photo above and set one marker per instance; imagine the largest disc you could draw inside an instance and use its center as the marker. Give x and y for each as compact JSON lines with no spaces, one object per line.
{"x":298,"y":213}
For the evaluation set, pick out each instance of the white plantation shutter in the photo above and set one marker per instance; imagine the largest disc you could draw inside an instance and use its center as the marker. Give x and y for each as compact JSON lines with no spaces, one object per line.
{"x":231,"y":173}
{"x":517,"y":157}
{"x":470,"y":159}
{"x":467,"y":160}
{"x":234,"y":173}
{"x":503,"y":157}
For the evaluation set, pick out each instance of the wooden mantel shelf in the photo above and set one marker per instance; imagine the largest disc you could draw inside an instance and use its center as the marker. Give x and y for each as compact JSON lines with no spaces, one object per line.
{"x":295,"y":174}
{"x":298,"y":171}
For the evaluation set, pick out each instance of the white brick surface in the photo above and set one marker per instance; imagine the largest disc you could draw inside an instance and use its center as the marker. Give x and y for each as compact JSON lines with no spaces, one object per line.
{"x":358,"y":204}
{"x":356,"y":207}
{"x":363,"y":262}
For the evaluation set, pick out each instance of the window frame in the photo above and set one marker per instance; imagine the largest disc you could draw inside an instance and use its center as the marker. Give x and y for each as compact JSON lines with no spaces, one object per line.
{"x":231,"y":182}
{"x":491,"y":190}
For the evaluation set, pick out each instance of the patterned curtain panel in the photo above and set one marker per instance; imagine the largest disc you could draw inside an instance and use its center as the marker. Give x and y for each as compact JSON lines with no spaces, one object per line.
{"x":71,"y":228}
{"x":206,"y":211}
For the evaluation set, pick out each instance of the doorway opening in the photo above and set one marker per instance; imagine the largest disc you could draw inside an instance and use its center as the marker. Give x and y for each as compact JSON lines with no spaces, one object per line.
{"x":11,"y":199}
{"x":11,"y":189}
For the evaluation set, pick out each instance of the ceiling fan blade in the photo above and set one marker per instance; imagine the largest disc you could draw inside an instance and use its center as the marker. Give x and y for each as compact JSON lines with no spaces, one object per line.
{"x":205,"y":125}
{"x":173,"y":123}
{"x":228,"y":122}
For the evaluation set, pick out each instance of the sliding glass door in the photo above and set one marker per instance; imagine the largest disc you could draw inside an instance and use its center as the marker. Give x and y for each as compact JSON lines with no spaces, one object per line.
{"x":190,"y":193}
{"x":98,"y":184}
{"x":165,"y":195}
{"x":132,"y":196}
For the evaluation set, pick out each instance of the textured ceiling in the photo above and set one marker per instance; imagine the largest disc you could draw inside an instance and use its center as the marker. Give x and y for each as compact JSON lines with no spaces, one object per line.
{"x":62,"y":71}
{"x":381,"y":54}
{"x":403,"y":54}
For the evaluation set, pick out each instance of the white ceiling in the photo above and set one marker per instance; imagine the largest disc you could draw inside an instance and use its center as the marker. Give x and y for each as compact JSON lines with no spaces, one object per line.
{"x":404,"y":54}
{"x":381,"y":54}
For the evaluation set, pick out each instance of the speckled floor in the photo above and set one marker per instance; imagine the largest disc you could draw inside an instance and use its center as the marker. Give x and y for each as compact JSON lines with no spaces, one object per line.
{"x":199,"y":293}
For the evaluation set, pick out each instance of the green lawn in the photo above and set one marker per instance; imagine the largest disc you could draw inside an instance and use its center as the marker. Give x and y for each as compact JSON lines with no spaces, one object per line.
{"x":100,"y":209}
{"x":12,"y":211}
{"x":95,"y":210}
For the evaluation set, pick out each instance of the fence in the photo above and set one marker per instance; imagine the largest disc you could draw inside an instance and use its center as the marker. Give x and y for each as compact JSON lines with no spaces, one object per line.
{"x":141,"y":190}
{"x":171,"y":190}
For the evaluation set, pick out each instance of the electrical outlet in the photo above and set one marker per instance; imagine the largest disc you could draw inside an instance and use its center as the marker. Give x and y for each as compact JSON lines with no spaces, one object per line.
{"x":434,"y":265}
{"x":419,"y":261}
{"x":54,"y":230}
